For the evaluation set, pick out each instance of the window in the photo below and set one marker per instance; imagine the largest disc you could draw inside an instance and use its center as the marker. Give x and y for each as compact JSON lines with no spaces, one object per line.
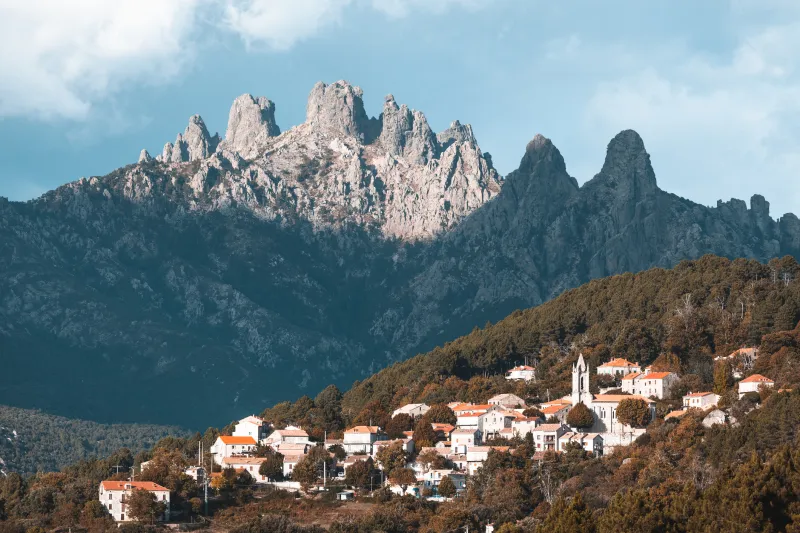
{"x":110,"y":497}
{"x":110,"y":507}
{"x":122,"y":516}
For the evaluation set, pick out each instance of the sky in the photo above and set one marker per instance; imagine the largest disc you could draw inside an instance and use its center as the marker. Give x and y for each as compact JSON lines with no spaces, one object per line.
{"x":713,"y":87}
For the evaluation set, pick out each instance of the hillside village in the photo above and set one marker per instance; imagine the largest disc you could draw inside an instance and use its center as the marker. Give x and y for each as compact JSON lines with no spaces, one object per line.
{"x":431,"y":451}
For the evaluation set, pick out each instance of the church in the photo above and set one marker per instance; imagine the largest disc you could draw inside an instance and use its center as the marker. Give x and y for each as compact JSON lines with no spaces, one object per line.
{"x":603,"y":406}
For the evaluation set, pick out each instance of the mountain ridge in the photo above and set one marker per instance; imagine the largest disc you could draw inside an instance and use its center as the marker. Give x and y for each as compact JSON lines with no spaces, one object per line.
{"x":330,"y":250}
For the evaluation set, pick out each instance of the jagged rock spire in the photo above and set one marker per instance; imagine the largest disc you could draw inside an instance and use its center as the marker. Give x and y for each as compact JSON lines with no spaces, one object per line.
{"x":251,"y":122}
{"x":627,"y":166}
{"x":194,"y":143}
{"x":144,"y":156}
{"x":456,"y":133}
{"x":339,"y":107}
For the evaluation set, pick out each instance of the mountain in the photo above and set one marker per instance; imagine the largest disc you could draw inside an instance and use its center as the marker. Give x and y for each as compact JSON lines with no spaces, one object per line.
{"x":32,"y":441}
{"x":232,"y":273}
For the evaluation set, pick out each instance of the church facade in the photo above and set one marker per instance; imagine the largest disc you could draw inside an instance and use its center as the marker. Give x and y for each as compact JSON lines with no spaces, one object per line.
{"x":603,"y":406}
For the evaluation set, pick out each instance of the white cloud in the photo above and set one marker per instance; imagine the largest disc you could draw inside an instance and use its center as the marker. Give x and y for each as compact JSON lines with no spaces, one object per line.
{"x":58,"y":57}
{"x":62,"y":57}
{"x":280,"y":23}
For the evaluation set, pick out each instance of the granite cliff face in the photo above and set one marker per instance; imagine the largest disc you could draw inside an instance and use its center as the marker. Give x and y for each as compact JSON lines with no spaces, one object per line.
{"x":257,"y":267}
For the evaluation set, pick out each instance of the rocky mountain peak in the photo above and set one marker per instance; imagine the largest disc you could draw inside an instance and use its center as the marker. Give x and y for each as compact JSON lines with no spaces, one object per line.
{"x":540,"y":149}
{"x":251,"y":123}
{"x":144,"y":156}
{"x":456,"y":133}
{"x":339,"y":107}
{"x":195,"y":143}
{"x":404,"y":132}
{"x":627,"y":166}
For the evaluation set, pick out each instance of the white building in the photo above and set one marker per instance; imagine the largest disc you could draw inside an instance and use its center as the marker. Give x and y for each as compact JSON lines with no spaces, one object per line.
{"x":492,"y":422}
{"x":229,"y":446}
{"x":546,"y":436}
{"x":462,"y":439}
{"x":753,"y":384}
{"x":470,"y":409}
{"x":359,"y":439}
{"x":248,"y":464}
{"x":591,"y":442}
{"x":510,"y":401}
{"x":700,"y":400}
{"x":523,"y":426}
{"x":559,"y":410}
{"x":469,"y":421}
{"x":522,"y":372}
{"x":604,"y":406}
{"x":290,"y":434}
{"x":114,"y":495}
{"x":197,"y":473}
{"x":289,"y":462}
{"x":290,"y":448}
{"x":252,"y":426}
{"x":407,"y":444}
{"x":432,"y":478}
{"x":655,"y":384}
{"x":477,"y":455}
{"x":414,"y":410}
{"x":618,"y":367}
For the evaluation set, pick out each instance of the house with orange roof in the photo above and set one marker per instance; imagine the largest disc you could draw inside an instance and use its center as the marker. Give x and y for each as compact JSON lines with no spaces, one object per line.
{"x":522,"y":426}
{"x":442,"y":430}
{"x":230,"y":446}
{"x":753,"y":384}
{"x":546,"y":436}
{"x":521,"y":373}
{"x":618,"y":367}
{"x":656,"y":384}
{"x":359,"y":439}
{"x":559,"y":411}
{"x":477,"y":455}
{"x":115,"y":495}
{"x":680,"y":413}
{"x":700,"y":400}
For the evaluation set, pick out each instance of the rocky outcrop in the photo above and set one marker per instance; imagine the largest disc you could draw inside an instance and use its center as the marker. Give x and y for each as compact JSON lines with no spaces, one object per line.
{"x":251,"y":124}
{"x":339,"y":108}
{"x":144,"y":157}
{"x":193,"y":144}
{"x":277,"y":263}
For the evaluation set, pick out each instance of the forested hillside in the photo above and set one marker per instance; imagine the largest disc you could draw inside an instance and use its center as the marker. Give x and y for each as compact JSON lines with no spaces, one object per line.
{"x":32,"y":441}
{"x":677,"y":477}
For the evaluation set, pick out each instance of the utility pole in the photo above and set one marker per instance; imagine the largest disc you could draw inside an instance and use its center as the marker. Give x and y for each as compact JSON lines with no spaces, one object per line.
{"x":117,"y":468}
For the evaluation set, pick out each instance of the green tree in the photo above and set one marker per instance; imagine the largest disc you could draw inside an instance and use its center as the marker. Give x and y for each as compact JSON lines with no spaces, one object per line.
{"x":144,"y":507}
{"x":634,"y":412}
{"x":441,"y":414}
{"x":424,"y":435}
{"x":404,"y":477}
{"x":272,"y":467}
{"x":723,"y":377}
{"x":311,"y":467}
{"x":446,"y":487}
{"x":568,"y":516}
{"x":392,"y":457}
{"x":533,"y":412}
{"x":580,"y":417}
{"x":358,"y":474}
{"x":398,"y":424}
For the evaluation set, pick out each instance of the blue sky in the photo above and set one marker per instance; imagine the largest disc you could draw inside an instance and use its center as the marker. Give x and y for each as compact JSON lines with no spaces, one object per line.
{"x":713,"y":87}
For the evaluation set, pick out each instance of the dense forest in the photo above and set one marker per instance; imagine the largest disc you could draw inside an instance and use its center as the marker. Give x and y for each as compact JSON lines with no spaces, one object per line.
{"x":680,"y":476}
{"x":32,"y":441}
{"x":677,"y":319}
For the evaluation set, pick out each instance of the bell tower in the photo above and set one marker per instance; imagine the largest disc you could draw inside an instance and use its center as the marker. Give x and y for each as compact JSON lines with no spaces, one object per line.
{"x":580,"y":383}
